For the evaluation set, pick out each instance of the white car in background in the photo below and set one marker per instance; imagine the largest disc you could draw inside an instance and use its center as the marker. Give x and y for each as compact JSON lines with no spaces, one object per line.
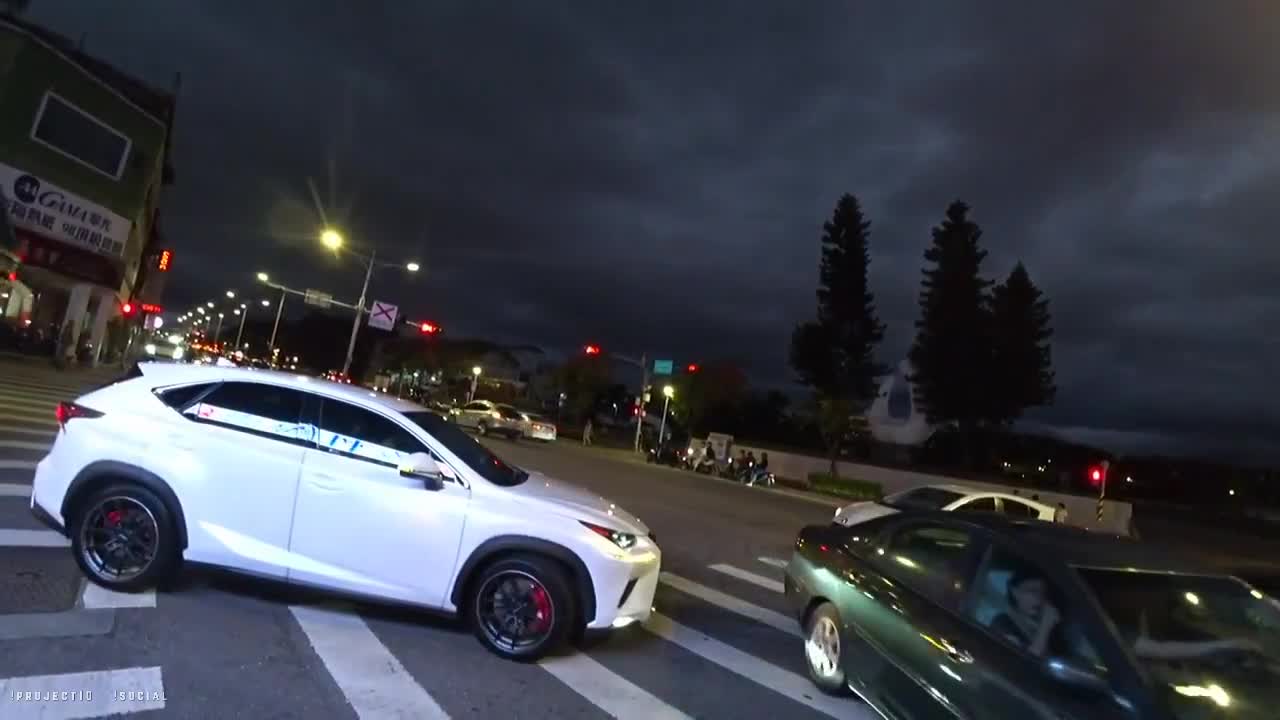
{"x":948,"y":498}
{"x":537,"y":427}
{"x":301,"y":480}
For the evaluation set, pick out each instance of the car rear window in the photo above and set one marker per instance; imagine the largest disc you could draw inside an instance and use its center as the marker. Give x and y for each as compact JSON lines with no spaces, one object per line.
{"x":924,"y":498}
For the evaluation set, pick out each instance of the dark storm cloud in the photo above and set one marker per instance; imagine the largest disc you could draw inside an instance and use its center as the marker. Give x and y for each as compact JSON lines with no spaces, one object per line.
{"x":654,"y":176}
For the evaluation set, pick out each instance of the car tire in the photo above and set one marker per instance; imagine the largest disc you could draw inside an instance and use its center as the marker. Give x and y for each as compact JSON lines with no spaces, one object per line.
{"x":141,"y":519}
{"x":823,"y":650}
{"x":482,"y":428}
{"x":546,"y":591}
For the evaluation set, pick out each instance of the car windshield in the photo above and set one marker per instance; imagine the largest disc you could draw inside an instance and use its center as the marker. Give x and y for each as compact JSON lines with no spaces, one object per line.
{"x":509,"y":413}
{"x":925,"y":498}
{"x":476,"y":456}
{"x":1209,"y":643}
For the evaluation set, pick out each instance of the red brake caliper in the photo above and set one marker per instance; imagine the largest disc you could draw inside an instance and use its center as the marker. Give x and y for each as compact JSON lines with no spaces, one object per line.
{"x":114,"y":517}
{"x":542,"y":610}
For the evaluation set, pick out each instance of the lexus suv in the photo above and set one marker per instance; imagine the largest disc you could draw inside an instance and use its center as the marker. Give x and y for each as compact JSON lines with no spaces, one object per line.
{"x":327,"y":484}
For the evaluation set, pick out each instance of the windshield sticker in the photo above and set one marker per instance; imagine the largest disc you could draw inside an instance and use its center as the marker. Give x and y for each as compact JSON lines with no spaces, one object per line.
{"x":256,"y":423}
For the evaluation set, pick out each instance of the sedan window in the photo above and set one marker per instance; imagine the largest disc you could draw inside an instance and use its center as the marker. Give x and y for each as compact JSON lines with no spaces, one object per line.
{"x":934,"y":560}
{"x":476,"y":456}
{"x":923,"y":498}
{"x":986,"y":504}
{"x":1019,"y":509}
{"x":360,"y":433}
{"x":257,"y":408}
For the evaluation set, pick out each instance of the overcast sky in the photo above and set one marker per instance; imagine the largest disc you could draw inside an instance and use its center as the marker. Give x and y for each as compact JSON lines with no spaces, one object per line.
{"x":654,"y":175}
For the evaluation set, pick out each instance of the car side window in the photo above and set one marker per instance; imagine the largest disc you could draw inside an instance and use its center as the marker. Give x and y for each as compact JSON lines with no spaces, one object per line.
{"x":358,"y":433}
{"x":933,"y":560}
{"x":180,"y":396}
{"x":475,"y":406}
{"x":258,"y":408}
{"x":1017,"y":509}
{"x":986,"y":504}
{"x":1015,"y":600}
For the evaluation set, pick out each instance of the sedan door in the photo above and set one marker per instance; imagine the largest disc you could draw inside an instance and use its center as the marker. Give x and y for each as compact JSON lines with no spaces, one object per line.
{"x":245,"y":443}
{"x":362,"y":526}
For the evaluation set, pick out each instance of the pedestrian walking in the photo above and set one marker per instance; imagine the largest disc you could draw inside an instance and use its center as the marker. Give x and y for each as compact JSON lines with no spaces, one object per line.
{"x":586,"y":433}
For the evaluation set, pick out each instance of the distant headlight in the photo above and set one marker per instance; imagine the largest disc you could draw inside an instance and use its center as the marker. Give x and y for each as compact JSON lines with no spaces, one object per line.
{"x":149,"y":348}
{"x":177,"y":353}
{"x":621,"y":539}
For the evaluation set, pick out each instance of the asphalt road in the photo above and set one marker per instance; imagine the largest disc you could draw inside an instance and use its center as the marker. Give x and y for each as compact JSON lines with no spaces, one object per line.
{"x":720,"y":645}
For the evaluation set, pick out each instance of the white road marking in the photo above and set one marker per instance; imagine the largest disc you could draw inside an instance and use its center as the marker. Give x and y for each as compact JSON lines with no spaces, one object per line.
{"x":23,"y":445}
{"x":17,"y":464}
{"x":783,"y":682}
{"x":32,"y":538}
{"x":27,"y":430}
{"x":374,"y":682}
{"x":30,"y":418}
{"x":743,"y":575}
{"x":773,"y":561}
{"x":9,"y":396}
{"x":607,"y":690}
{"x":15,"y":490}
{"x":94,"y":597}
{"x":761,"y":615}
{"x":76,"y":696}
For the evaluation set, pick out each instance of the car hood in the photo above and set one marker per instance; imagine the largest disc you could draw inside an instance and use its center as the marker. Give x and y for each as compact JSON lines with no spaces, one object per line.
{"x":860,"y":512}
{"x":582,"y":504}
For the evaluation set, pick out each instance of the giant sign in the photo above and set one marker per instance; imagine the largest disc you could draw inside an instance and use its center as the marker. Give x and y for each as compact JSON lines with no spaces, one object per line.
{"x":44,"y":208}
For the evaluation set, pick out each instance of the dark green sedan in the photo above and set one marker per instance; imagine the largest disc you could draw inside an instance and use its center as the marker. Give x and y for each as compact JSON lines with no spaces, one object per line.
{"x":940,"y":615}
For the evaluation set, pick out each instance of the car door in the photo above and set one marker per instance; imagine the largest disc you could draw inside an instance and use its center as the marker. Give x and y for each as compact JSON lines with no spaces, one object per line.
{"x":246,"y":441}
{"x":1010,"y":675}
{"x":915,"y":666}
{"x":362,"y":526}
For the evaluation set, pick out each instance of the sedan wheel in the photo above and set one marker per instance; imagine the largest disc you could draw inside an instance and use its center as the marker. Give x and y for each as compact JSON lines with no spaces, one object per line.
{"x":482,"y":428}
{"x":123,"y":539}
{"x":523,"y":607}
{"x":822,"y":650}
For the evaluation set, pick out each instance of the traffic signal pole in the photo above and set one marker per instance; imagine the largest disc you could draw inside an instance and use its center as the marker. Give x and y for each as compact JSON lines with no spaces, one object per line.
{"x":644,"y":384}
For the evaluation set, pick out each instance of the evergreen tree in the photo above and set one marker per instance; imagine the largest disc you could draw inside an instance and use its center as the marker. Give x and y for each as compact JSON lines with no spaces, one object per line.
{"x":952,"y":353}
{"x":834,"y":355}
{"x":1023,"y":361}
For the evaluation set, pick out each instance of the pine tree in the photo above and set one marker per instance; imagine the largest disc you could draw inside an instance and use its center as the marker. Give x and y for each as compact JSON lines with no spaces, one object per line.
{"x":1023,"y":361}
{"x":951,"y":356}
{"x":834,"y":355}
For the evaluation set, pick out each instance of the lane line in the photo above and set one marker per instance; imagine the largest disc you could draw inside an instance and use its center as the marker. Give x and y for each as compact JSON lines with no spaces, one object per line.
{"x":95,"y":597}
{"x":757,"y":580}
{"x":27,"y":430}
{"x":25,"y":402}
{"x":17,"y":464}
{"x":785,"y":683}
{"x":728,"y":602}
{"x":30,"y":418}
{"x":21,"y":445}
{"x":372,"y":679}
{"x":78,"y":696}
{"x":15,"y":490}
{"x":607,"y":690}
{"x":10,"y":537}
{"x":773,"y":561}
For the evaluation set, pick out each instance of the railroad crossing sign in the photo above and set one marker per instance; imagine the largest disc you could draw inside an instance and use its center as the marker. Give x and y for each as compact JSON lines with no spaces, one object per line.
{"x":662,"y":367}
{"x":317,"y":298}
{"x":382,"y":315}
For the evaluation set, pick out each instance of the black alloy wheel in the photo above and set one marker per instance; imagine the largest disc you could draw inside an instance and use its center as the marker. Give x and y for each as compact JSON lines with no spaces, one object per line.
{"x":123,"y":538}
{"x":522,"y":607}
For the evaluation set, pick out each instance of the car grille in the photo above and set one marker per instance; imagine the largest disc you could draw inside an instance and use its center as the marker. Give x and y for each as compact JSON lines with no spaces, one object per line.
{"x":626,"y":592}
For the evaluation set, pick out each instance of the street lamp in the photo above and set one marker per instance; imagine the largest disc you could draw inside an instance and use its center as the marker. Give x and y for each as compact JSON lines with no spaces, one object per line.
{"x":231,"y":294}
{"x":331,"y":238}
{"x":475,"y":377}
{"x":411,"y":267}
{"x":209,"y":304}
{"x":218,"y":330}
{"x":668,"y":392}
{"x":243,"y":312}
{"x":263,"y":277}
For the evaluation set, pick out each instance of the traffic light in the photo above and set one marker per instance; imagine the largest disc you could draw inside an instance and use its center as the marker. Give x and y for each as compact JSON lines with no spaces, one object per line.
{"x":592,"y":349}
{"x":692,"y":367}
{"x":1097,"y":474}
{"x":427,"y":328}
{"x":127,"y":309}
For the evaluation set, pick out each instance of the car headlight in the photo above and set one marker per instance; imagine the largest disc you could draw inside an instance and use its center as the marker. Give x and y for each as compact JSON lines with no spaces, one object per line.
{"x":496,"y":415}
{"x":149,"y":348}
{"x":621,"y":539}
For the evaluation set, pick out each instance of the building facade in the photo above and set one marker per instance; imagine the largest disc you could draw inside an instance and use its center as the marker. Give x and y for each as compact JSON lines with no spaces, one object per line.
{"x":84,"y":153}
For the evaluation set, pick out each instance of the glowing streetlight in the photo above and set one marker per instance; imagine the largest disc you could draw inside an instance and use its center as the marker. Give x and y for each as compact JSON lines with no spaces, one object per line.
{"x":200,"y":310}
{"x":236,"y":311}
{"x":263,"y":277}
{"x":266,"y":303}
{"x":231,"y":294}
{"x":477,"y":370}
{"x":331,"y":239}
{"x":209,"y":304}
{"x":411,"y":267}
{"x":668,"y":392}
{"x":475,"y":378}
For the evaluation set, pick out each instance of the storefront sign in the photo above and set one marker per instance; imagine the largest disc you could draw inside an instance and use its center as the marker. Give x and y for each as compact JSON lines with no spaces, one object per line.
{"x":42,"y":207}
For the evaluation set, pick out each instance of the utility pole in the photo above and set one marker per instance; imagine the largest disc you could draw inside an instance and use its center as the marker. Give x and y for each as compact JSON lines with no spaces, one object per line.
{"x":644,"y":388}
{"x":271,"y":349}
{"x":355,"y":324}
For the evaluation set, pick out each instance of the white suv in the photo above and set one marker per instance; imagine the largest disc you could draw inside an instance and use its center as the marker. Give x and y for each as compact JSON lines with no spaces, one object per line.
{"x":325,"y":484}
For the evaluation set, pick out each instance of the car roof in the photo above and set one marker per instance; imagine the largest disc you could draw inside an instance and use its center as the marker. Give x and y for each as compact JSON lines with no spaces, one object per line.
{"x":175,"y":373}
{"x":1072,"y":545}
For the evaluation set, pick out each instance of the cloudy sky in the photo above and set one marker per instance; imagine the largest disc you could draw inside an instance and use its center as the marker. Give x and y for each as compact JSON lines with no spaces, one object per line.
{"x":652,"y":176}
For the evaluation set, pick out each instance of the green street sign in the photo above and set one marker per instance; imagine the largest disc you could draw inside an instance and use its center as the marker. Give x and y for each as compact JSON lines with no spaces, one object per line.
{"x":662,"y":367}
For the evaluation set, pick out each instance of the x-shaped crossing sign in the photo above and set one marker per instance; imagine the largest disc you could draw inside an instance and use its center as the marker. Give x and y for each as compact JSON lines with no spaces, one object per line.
{"x":382,"y":316}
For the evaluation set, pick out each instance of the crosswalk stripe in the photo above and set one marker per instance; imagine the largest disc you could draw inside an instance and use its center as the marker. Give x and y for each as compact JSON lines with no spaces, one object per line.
{"x":15,"y":490}
{"x":22,"y":394}
{"x":783,"y":682}
{"x":761,"y":615}
{"x":773,"y":561}
{"x":17,"y":464}
{"x":44,"y":389}
{"x":15,"y":401}
{"x":23,"y":445}
{"x":30,"y":418}
{"x":743,"y":575}
{"x":607,"y":690}
{"x":95,"y":597}
{"x":10,"y":537}
{"x":372,"y":679}
{"x":78,"y":696}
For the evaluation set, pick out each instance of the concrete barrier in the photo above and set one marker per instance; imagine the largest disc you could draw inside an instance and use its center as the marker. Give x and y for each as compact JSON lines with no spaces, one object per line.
{"x":1082,"y":511}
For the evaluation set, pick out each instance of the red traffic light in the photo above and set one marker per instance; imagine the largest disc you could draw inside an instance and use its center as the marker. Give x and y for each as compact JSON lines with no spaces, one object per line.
{"x":428,"y":328}
{"x":1097,"y":474}
{"x":592,"y":349}
{"x":693,"y":368}
{"x":126,"y":308}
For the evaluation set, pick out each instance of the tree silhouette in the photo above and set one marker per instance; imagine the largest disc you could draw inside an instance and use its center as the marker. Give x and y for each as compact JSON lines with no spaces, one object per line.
{"x":1022,"y":363}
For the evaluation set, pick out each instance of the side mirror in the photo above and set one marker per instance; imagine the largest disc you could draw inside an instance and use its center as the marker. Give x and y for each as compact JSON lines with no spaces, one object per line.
{"x":1070,"y":672}
{"x":421,"y":465}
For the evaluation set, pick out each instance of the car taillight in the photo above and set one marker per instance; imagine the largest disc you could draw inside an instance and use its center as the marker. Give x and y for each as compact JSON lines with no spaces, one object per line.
{"x":68,"y":411}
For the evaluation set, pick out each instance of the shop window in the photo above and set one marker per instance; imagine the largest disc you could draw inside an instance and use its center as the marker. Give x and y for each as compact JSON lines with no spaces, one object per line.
{"x":70,"y":131}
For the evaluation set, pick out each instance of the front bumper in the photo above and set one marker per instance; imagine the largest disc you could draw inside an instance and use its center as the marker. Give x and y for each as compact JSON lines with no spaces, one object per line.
{"x":625,"y":587}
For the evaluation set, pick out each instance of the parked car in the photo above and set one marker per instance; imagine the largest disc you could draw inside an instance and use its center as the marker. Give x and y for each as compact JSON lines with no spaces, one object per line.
{"x":929,"y":614}
{"x":538,"y":427}
{"x":292,"y":478}
{"x":487,"y":417}
{"x":949,"y":497}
